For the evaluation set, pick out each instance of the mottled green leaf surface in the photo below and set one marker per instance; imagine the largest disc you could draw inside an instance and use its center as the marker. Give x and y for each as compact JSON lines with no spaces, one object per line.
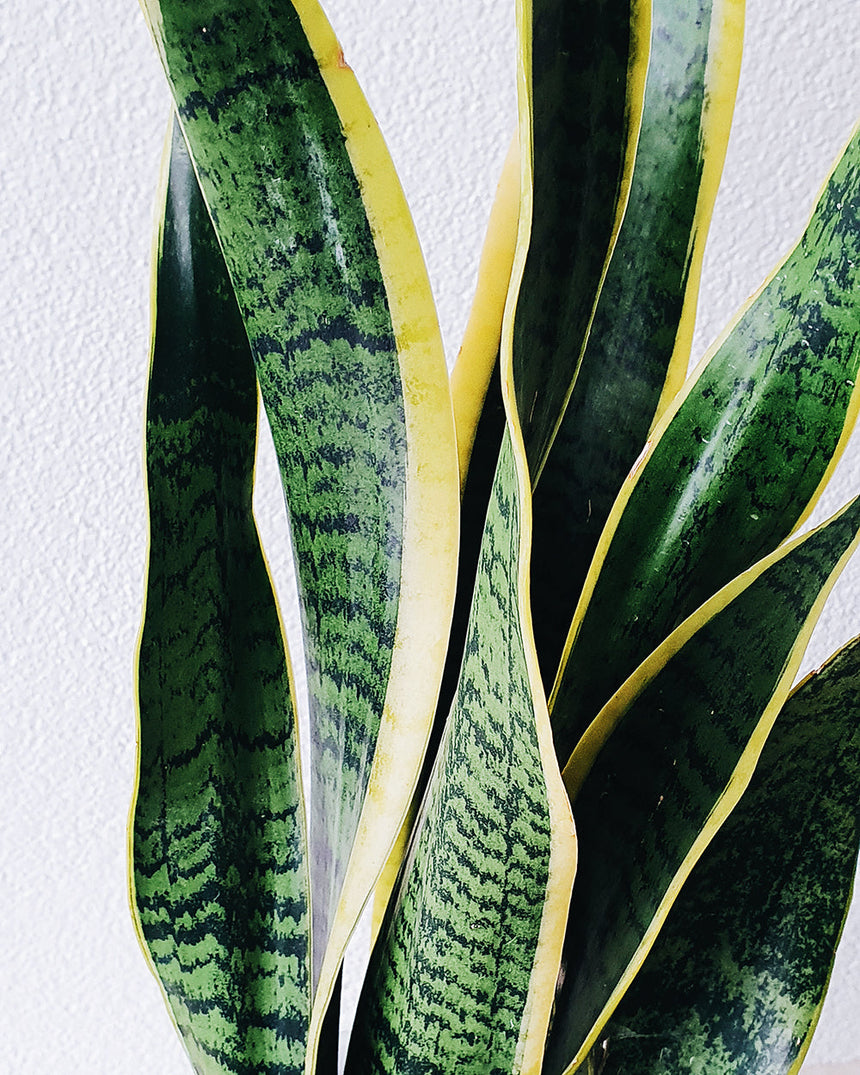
{"x":673,"y":764}
{"x":579,"y":60}
{"x":450,"y":976}
{"x":274,"y":170}
{"x":736,"y":466}
{"x":636,"y":322}
{"x":736,"y":979}
{"x":220,"y":867}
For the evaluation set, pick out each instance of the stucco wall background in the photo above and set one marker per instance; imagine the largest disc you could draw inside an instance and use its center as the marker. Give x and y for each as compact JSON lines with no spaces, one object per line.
{"x":84,"y":112}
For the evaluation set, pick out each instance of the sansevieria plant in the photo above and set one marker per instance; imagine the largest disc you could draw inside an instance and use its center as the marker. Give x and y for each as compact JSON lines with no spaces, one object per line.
{"x":552,"y":605}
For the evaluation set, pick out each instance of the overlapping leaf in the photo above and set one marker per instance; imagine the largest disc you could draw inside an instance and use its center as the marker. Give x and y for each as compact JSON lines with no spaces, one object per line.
{"x":464,"y":971}
{"x":733,"y":466}
{"x":335,"y":301}
{"x":220,"y":880}
{"x":462,"y":976}
{"x":665,"y":762}
{"x":736,"y":979}
{"x":585,"y":75}
{"x":638,"y":346}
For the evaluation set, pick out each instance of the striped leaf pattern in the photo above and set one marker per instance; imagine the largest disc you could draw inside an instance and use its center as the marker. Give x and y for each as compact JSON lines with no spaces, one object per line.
{"x":272,"y":164}
{"x":638,"y":347}
{"x":733,"y":467}
{"x":335,"y":302}
{"x":675,"y":759}
{"x":452,"y":975}
{"x":220,"y":878}
{"x":736,"y":979}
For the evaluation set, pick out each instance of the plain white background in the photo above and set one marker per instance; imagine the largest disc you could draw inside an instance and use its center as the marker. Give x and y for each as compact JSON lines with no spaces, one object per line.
{"x":84,"y":112}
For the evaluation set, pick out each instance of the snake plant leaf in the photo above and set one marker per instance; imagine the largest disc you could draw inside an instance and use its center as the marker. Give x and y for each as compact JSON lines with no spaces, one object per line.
{"x":579,"y":123}
{"x":666,"y":761}
{"x":639,"y":345}
{"x":464,"y":970}
{"x":312,"y":221}
{"x":220,"y":878}
{"x":735,"y":982}
{"x":733,"y":466}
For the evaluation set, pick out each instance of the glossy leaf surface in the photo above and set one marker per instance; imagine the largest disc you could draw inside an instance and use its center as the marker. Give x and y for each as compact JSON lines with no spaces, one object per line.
{"x":734,"y":465}
{"x":674,"y":750}
{"x":453,"y":978}
{"x":584,"y":116}
{"x":642,"y":327}
{"x":220,"y":879}
{"x":335,"y":301}
{"x":736,"y":979}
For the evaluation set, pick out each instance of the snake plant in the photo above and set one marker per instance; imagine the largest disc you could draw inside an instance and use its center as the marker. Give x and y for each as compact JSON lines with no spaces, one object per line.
{"x":552,"y":605}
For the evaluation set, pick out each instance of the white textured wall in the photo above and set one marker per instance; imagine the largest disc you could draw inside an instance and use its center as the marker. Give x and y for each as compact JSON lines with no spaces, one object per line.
{"x":84,"y":111}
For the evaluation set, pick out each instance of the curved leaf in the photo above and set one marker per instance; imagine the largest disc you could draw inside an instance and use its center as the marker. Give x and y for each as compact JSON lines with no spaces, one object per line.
{"x":465,"y":965}
{"x":638,"y":347}
{"x":735,"y":464}
{"x":220,"y":883}
{"x":666,"y":761}
{"x":736,"y":979}
{"x":585,"y":83}
{"x":334,"y":296}
{"x":466,"y":962}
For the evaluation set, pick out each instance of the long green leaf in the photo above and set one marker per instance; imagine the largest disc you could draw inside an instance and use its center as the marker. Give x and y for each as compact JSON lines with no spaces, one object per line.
{"x":220,"y":881}
{"x":585,"y":78}
{"x":735,"y":982}
{"x":464,"y":970}
{"x":335,"y":301}
{"x":666,"y":761}
{"x":734,"y":465}
{"x":638,"y":347}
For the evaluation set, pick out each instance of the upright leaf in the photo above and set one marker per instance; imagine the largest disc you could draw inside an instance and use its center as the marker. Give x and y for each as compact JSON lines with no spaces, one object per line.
{"x":335,"y":301}
{"x":638,"y":347}
{"x":220,"y":883}
{"x":734,"y":465}
{"x":666,"y":761}
{"x":464,"y":969}
{"x":735,"y":982}
{"x":579,"y":122}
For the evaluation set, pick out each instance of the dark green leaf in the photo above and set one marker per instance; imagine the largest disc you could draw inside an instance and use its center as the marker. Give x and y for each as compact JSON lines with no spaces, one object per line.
{"x":733,"y":467}
{"x":673,"y":766}
{"x":584,"y":119}
{"x":736,"y":979}
{"x":643,"y":321}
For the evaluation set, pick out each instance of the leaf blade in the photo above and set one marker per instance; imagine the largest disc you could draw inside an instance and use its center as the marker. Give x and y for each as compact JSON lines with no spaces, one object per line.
{"x":744,"y":451}
{"x":671,"y":754}
{"x":218,"y":769}
{"x":765,"y":906}
{"x":312,"y":220}
{"x":638,"y":347}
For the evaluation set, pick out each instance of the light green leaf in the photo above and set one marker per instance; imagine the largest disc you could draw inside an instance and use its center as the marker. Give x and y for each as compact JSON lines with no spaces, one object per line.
{"x":335,"y":301}
{"x":220,"y":883}
{"x":464,"y":969}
